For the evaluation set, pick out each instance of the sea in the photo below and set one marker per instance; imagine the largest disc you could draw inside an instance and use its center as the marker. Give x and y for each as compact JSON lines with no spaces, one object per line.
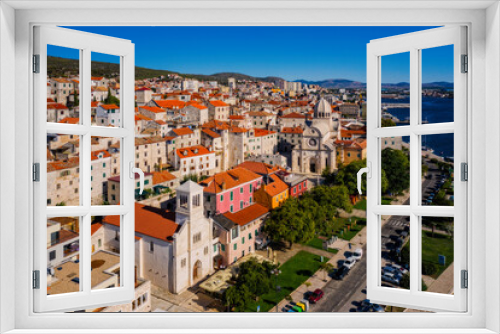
{"x":434,"y":110}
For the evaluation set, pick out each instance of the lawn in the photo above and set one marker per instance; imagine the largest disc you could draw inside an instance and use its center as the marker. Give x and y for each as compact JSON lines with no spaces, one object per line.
{"x":318,"y":244}
{"x":294,"y":272}
{"x":348,"y":235}
{"x":361,"y":205}
{"x":441,"y":244}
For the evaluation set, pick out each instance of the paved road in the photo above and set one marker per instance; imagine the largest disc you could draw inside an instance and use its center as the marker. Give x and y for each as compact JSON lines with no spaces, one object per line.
{"x":343,"y":296}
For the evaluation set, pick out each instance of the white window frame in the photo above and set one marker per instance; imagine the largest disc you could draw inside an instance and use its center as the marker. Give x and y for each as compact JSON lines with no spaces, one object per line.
{"x":483,"y":100}
{"x":85,"y":43}
{"x":413,"y":43}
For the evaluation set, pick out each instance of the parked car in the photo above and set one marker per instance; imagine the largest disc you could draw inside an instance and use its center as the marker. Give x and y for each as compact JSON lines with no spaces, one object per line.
{"x":261,"y":243}
{"x":349,"y":262}
{"x":398,"y":267}
{"x":391,"y":278}
{"x":377,"y":308}
{"x":358,"y":253}
{"x":340,"y":273}
{"x":316,"y":296}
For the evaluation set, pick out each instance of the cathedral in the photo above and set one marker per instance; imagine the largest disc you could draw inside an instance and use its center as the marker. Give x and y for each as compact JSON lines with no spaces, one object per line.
{"x":316,"y":150}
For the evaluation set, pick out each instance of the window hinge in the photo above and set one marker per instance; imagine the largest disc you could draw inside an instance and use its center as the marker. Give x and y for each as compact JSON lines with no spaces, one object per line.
{"x":36,"y":63}
{"x":36,"y":279}
{"x":464,"y":171}
{"x":465,"y":64}
{"x":465,"y":279}
{"x":36,"y":172}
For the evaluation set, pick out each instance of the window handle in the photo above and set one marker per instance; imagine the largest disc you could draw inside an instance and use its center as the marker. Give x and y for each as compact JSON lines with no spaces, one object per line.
{"x":139,"y":171}
{"x":368,"y":172}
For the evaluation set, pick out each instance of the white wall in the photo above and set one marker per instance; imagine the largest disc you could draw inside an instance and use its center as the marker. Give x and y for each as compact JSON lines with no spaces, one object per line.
{"x":7,"y":158}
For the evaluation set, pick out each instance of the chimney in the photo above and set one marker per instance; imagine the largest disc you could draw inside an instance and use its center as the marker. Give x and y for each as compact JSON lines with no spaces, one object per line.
{"x":223,"y":185}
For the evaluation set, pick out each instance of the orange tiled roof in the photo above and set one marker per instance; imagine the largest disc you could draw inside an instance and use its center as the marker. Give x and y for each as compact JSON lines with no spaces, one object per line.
{"x":141,"y":117}
{"x":258,"y":167}
{"x":293,"y":115}
{"x":236,"y":129}
{"x":218,"y":103}
{"x":297,"y":129}
{"x":70,"y":120}
{"x":276,"y":187}
{"x":164,"y":176}
{"x":94,"y":228}
{"x":156,"y":223}
{"x":236,"y":117}
{"x":152,"y":109}
{"x":230,"y":179}
{"x":196,"y":105}
{"x":50,"y":100}
{"x":192,"y":151}
{"x":183,"y":131}
{"x":211,"y":133}
{"x":96,"y":78}
{"x":219,"y":125}
{"x":56,"y":106}
{"x":262,"y":132}
{"x":170,"y":104}
{"x":63,"y":164}
{"x":109,"y":106}
{"x":95,"y":154}
{"x":247,"y":215}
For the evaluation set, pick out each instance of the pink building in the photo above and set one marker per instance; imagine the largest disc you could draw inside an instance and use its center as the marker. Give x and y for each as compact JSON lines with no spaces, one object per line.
{"x":230,"y":191}
{"x":237,"y":234}
{"x":228,"y":199}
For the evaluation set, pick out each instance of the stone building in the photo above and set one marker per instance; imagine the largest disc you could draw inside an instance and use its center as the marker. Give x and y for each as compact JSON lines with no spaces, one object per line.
{"x":316,"y":150}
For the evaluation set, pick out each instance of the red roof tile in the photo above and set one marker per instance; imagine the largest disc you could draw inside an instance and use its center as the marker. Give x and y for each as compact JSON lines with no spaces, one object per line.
{"x":227,"y":180}
{"x":156,"y":223}
{"x":247,"y":215}
{"x":183,"y":131}
{"x":193,"y":151}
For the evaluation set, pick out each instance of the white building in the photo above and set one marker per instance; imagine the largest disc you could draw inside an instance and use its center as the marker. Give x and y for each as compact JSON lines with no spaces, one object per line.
{"x":195,"y":160}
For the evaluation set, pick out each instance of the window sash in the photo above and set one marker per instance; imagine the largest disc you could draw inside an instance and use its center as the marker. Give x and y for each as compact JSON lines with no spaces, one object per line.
{"x":86,"y":297}
{"x":413,"y":43}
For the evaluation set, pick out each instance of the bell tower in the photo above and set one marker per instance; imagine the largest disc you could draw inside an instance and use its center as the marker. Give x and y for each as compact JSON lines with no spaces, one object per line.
{"x":189,"y":203}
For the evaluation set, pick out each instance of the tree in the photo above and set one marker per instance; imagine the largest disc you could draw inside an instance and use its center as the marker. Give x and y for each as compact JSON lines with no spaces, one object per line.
{"x":111,"y":99}
{"x":190,"y":177}
{"x":326,"y":268}
{"x":397,"y":169}
{"x":256,"y":276}
{"x":237,"y":297}
{"x":287,"y":223}
{"x":386,"y":122}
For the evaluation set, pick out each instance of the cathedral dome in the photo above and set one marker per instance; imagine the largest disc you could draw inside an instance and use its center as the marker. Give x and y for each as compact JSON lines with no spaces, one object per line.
{"x":322,"y":109}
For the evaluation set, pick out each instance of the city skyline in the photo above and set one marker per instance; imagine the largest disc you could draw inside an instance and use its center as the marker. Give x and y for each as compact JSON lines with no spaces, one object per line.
{"x":317,"y":61}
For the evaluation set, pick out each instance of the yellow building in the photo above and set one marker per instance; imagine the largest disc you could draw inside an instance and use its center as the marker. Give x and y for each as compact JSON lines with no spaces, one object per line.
{"x":351,"y":150}
{"x":272,"y":193}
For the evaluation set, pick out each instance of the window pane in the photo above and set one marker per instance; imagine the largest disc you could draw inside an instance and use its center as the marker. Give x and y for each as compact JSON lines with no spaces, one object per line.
{"x":437,"y":169}
{"x":105,"y":90}
{"x":437,"y":84}
{"x":63,"y":254}
{"x":395,"y":169}
{"x":437,"y":254}
{"x":105,"y":171}
{"x":395,"y":70}
{"x":63,"y":80}
{"x":63,"y":169}
{"x":105,"y":259}
{"x":396,"y":252}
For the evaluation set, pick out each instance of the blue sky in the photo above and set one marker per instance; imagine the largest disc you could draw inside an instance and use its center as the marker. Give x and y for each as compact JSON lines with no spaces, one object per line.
{"x":310,"y":53}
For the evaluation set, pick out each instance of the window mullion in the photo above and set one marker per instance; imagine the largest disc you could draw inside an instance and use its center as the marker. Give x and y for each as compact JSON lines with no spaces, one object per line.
{"x":415,"y":161}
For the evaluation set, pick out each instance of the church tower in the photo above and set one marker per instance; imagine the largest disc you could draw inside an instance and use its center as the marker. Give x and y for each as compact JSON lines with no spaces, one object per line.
{"x":323,"y":113}
{"x":189,"y":203}
{"x":192,"y":258}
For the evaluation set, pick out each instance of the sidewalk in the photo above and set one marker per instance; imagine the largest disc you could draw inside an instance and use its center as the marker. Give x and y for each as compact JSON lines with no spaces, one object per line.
{"x":321,"y":278}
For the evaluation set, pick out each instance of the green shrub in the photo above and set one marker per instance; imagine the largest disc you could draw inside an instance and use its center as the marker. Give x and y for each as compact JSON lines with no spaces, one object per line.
{"x":428,"y":268}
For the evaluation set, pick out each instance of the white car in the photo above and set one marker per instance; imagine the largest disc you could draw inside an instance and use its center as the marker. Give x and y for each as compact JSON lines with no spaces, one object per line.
{"x":349,"y":262}
{"x":358,"y":254}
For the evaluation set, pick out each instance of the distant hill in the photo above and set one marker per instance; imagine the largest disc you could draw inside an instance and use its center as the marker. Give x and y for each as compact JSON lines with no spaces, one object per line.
{"x":345,"y":83}
{"x":57,"y":66}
